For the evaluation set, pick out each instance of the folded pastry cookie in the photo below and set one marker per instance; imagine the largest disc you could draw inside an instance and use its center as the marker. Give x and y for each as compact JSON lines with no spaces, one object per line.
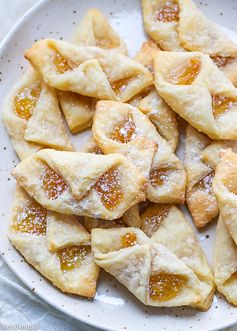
{"x":161,"y":21}
{"x":146,"y":53}
{"x":58,"y":246}
{"x":150,"y":271}
{"x":95,"y":30}
{"x":101,"y":186}
{"x":211,"y":154}
{"x":225,"y":262}
{"x":151,"y":104}
{"x":162,"y":116}
{"x":32,"y":117}
{"x":201,"y":158}
{"x":198,"y":91}
{"x":131,"y":217}
{"x":178,"y":25}
{"x":90,"y":71}
{"x":225,"y":190}
{"x":200,"y":198}
{"x":167,"y":225}
{"x":77,"y":109}
{"x":122,"y":128}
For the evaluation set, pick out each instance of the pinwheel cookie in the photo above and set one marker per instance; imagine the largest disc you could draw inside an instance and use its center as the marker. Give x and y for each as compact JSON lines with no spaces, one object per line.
{"x":123,"y":128}
{"x":150,"y":271}
{"x":101,"y":186}
{"x":90,"y":71}
{"x":32,"y":117}
{"x":167,"y":225}
{"x":95,"y":30}
{"x":225,"y":262}
{"x":178,"y":25}
{"x":198,"y":91}
{"x":56,"y":245}
{"x":225,"y":190}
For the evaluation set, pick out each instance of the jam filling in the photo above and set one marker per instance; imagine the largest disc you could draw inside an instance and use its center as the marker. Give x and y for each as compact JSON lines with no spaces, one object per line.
{"x":72,"y":257}
{"x":109,"y":189}
{"x":53,"y":184}
{"x":125,"y":131}
{"x":61,"y":64}
{"x":221,"y":104}
{"x":152,"y":218}
{"x":31,"y":219}
{"x":185,"y":75}
{"x":222,"y":61}
{"x":26,"y":100}
{"x":164,"y":286}
{"x":168,"y":12}
{"x":129,"y":240}
{"x":158,"y":177}
{"x":206,"y":183}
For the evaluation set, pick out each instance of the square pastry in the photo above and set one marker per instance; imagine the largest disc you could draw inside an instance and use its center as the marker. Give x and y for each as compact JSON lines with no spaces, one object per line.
{"x":198,"y":91}
{"x":149,"y":270}
{"x":122,"y":128}
{"x":105,"y":188}
{"x":56,"y":245}
{"x":32,"y":117}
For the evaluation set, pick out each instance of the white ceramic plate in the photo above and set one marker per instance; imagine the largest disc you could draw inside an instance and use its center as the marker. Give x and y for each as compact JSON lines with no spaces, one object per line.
{"x":113,"y":308}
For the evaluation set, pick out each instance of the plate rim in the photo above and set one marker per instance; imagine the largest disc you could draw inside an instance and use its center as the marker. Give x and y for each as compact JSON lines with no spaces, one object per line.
{"x":3,"y":44}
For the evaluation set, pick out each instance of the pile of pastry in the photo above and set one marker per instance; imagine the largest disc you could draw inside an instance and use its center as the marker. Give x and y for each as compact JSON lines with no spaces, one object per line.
{"x":114,"y":204}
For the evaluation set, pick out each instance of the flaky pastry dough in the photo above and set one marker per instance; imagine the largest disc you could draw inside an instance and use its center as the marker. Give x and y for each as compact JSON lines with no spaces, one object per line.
{"x":32,"y":117}
{"x":101,"y":186}
{"x":91,"y":71}
{"x":150,"y":271}
{"x":123,"y":128}
{"x":167,"y":225}
{"x":70,"y":266}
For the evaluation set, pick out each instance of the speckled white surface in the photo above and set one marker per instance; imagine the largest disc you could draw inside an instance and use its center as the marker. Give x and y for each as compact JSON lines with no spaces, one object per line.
{"x":113,"y":308}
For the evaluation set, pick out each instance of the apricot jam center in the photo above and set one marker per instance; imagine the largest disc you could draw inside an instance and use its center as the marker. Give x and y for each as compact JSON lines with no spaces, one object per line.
{"x":53,"y":183}
{"x":163,"y":286}
{"x":185,"y":75}
{"x":152,"y":218}
{"x":159,"y":176}
{"x":168,"y":12}
{"x":129,"y":240}
{"x":206,"y":183}
{"x":109,"y":189}
{"x":26,"y":100}
{"x":119,"y":86}
{"x":222,"y":61}
{"x":72,"y":257}
{"x":221,"y":104}
{"x":31,"y":219}
{"x":62,"y":65}
{"x":125,"y":131}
